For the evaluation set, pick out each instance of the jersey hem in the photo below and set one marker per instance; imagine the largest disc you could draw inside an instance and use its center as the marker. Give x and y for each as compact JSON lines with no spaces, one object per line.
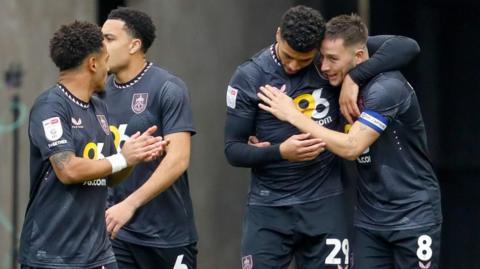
{"x":108,"y":260}
{"x":395,"y":227}
{"x":190,"y":130}
{"x":155,"y":245}
{"x":297,"y":202}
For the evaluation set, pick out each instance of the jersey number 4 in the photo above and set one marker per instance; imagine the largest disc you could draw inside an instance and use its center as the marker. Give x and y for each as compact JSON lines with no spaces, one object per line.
{"x":179,"y":264}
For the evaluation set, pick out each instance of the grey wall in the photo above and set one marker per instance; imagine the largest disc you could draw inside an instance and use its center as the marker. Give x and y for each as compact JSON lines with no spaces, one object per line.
{"x":203,"y":42}
{"x":25,"y":29}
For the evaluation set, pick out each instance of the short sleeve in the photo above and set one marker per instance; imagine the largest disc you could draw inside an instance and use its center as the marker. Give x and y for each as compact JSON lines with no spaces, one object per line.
{"x":381,"y":102}
{"x":176,"y":111}
{"x":49,"y":130}
{"x":241,"y":98}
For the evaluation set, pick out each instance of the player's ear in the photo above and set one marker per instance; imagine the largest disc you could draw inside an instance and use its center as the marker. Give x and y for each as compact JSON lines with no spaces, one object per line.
{"x":135,"y":46}
{"x":359,"y":55}
{"x":278,"y":35}
{"x":91,"y":63}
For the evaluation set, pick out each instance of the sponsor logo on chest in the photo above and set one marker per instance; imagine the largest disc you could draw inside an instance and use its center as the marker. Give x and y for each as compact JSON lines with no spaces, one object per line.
{"x":100,"y":182}
{"x":364,"y":158}
{"x":315,"y":106}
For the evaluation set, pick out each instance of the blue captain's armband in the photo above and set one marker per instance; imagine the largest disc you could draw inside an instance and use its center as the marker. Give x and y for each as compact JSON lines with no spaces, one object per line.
{"x":373,"y":120}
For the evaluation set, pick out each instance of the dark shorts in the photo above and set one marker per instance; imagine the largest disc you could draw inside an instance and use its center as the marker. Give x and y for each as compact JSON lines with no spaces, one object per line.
{"x":133,"y":256}
{"x":314,"y":233}
{"x":404,"y":249}
{"x":106,"y":266}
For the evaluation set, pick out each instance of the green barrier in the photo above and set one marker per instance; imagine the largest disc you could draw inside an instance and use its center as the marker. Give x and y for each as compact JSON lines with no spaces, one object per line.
{"x":5,"y":222}
{"x":7,"y":260}
{"x":22,"y":118}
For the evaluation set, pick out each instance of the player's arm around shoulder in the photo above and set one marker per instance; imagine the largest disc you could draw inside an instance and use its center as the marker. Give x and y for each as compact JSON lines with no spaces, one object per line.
{"x":388,"y":52}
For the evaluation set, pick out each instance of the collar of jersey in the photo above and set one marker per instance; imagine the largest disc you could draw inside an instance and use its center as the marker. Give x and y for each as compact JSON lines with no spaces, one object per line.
{"x":275,"y":66}
{"x":273,"y":53}
{"x":133,"y":81}
{"x":72,"y":97}
{"x":268,"y":61}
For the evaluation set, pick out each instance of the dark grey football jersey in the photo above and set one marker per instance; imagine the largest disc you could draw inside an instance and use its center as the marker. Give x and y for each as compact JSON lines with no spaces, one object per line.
{"x":280,"y":182}
{"x":397,"y":188}
{"x":154,"y":97}
{"x":283,"y":182}
{"x":65,"y":224}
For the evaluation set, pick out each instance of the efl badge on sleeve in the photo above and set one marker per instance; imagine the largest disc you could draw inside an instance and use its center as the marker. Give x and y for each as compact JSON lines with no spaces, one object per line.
{"x":103,"y":122}
{"x":52,"y":128}
{"x":139,"y":102}
{"x":231,"y":97}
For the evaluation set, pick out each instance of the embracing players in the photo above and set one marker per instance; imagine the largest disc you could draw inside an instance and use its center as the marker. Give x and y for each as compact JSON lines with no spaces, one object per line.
{"x":398,"y":217}
{"x":296,"y":204}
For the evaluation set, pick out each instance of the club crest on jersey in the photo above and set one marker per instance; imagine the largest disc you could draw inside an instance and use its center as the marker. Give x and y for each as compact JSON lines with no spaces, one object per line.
{"x":139,"y":102}
{"x":247,"y":262}
{"x":52,"y":128}
{"x":103,"y":122}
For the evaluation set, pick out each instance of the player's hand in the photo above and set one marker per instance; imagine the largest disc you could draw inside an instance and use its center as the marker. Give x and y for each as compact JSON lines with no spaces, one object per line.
{"x":301,"y":147}
{"x":277,"y":102}
{"x":348,"y":99}
{"x":159,"y":152}
{"x":254,"y":141}
{"x":117,"y":215}
{"x":143,"y":147}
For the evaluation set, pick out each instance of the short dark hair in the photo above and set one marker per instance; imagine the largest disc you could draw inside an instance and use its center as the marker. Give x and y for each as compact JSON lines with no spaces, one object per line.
{"x":350,"y":28}
{"x":138,"y":24}
{"x":73,"y":42}
{"x":302,"y":28}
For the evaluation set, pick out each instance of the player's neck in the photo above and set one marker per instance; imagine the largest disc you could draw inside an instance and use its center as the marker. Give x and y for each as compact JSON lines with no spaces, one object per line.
{"x":77,"y":84}
{"x":136,"y":65}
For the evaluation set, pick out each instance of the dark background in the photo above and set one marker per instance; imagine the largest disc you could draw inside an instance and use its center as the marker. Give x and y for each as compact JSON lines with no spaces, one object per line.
{"x":203,"y":41}
{"x":446,"y":77}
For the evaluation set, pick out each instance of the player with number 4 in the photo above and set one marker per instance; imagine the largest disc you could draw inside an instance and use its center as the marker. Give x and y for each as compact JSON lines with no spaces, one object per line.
{"x":398,"y":216}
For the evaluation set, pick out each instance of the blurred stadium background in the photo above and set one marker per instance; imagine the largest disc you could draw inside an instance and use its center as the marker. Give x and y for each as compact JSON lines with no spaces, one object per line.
{"x":203,"y":41}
